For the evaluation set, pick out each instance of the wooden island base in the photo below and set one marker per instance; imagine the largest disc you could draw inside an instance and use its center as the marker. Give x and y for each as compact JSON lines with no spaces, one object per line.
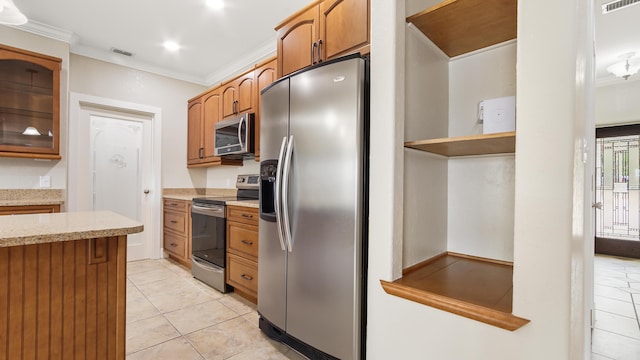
{"x":63,"y":285}
{"x":63,"y":300}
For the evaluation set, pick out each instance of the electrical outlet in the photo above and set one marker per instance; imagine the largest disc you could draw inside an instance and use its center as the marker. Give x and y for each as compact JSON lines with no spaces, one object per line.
{"x":45,"y":181}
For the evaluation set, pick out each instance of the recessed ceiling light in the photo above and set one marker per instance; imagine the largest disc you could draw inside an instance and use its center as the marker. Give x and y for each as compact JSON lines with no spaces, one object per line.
{"x":215,"y":4}
{"x":171,"y":45}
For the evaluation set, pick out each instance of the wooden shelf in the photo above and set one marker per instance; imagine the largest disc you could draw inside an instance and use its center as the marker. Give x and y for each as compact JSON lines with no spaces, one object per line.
{"x":476,"y":288}
{"x":461,"y":26}
{"x":498,"y":143}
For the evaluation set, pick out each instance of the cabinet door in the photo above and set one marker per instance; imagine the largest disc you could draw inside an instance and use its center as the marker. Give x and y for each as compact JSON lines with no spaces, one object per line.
{"x":29,"y":104}
{"x":229,"y":99}
{"x":296,"y":39}
{"x":194,"y":132}
{"x":264,"y":75}
{"x":245,"y":92}
{"x":344,"y":26}
{"x":211,"y":114}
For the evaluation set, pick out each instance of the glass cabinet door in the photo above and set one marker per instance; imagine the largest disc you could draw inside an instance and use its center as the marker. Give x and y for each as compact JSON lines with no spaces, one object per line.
{"x":29,"y":104}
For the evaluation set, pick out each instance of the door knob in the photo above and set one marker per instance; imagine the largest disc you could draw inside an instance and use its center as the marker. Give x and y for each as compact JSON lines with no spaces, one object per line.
{"x":146,"y":191}
{"x":597,"y":205}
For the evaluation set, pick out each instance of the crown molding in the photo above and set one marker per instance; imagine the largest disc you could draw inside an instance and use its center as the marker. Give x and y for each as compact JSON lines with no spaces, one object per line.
{"x":248,"y":61}
{"x":117,"y":59}
{"x":49,"y":31}
{"x":612,"y":80}
{"x":261,"y":52}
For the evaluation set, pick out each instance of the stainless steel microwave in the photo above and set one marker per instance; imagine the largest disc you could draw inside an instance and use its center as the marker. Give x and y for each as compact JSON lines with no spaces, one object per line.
{"x":235,"y":136}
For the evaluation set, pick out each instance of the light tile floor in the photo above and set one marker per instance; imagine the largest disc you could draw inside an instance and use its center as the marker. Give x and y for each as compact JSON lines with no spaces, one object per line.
{"x":617,"y":305}
{"x":171,"y":315}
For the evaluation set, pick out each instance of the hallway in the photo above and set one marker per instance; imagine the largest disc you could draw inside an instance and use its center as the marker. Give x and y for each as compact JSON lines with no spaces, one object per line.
{"x":616,"y":334}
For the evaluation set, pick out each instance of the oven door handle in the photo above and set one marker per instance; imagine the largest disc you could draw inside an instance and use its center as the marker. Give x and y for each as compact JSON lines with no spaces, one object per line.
{"x":206,"y":265}
{"x":279,"y":193}
{"x":217,"y":211}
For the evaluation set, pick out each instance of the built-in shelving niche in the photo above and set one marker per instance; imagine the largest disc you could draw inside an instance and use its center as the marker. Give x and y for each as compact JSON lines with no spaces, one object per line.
{"x":474,"y":287}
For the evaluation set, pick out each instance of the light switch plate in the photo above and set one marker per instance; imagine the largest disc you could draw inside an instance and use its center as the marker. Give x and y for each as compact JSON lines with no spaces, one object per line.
{"x":45,"y":181}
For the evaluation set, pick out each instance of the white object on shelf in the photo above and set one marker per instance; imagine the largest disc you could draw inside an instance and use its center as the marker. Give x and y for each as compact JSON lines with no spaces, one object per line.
{"x":497,"y":115}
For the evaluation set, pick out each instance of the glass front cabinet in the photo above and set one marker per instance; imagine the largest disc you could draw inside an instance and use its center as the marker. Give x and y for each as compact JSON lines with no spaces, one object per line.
{"x":29,"y":104}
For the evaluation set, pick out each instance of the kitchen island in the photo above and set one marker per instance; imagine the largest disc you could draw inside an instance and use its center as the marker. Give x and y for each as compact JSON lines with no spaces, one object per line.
{"x":63,"y":285}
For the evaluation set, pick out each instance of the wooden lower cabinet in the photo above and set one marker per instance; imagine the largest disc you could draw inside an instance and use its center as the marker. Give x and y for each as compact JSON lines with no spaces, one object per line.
{"x":29,"y":209}
{"x":242,"y":251}
{"x":64,"y":300}
{"x":176,"y":235}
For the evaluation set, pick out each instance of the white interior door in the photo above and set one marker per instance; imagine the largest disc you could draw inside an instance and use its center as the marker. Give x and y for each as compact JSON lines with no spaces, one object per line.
{"x":120,"y":171}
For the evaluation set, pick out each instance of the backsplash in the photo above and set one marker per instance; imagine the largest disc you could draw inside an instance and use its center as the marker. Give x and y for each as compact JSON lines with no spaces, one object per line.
{"x":224,"y":177}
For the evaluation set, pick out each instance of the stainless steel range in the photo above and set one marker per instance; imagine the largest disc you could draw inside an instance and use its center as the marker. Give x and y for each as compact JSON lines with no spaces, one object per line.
{"x":209,"y":232}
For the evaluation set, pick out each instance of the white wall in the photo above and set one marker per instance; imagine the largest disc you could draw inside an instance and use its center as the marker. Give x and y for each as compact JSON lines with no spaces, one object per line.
{"x":224,"y":177}
{"x":111,"y":81}
{"x":425,"y":180}
{"x":481,"y":189}
{"x":617,"y":103}
{"x":481,"y":205}
{"x":25,"y":173}
{"x":546,"y":142}
{"x":476,"y":77}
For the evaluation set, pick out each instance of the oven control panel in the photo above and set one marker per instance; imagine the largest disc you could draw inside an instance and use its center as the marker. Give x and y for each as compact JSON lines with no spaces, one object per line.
{"x":248,"y":181}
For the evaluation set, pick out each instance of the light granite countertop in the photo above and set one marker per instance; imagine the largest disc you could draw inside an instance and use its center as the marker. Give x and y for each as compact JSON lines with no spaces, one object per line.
{"x":246,"y":203}
{"x":181,"y":197}
{"x":26,"y":197}
{"x":17,"y":230}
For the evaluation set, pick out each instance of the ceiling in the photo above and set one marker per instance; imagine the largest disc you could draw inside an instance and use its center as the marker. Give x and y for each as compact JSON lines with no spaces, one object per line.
{"x":216,"y":45}
{"x":617,"y":33}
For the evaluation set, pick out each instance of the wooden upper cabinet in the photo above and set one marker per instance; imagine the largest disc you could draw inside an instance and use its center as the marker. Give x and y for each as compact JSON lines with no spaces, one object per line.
{"x":265,"y":74}
{"x":204,"y":112}
{"x":29,"y":104}
{"x":322,"y":31}
{"x":211,"y":114}
{"x":296,"y":39}
{"x":245,"y":92}
{"x":194,"y":131}
{"x":344,"y":27}
{"x":229,"y":99}
{"x":238,"y":95}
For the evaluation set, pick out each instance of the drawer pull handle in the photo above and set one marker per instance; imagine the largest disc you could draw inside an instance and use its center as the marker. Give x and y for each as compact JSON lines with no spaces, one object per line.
{"x":174,"y":222}
{"x":247,"y":277}
{"x":246,"y":242}
{"x":247,"y":216}
{"x":174,"y":244}
{"x":174,"y":204}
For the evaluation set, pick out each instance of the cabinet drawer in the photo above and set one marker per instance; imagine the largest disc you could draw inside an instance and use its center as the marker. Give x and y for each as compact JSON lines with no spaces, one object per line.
{"x":176,"y":222}
{"x":177,"y":205}
{"x":174,"y":244}
{"x":245,"y":215}
{"x":243,"y":274}
{"x":243,"y":239}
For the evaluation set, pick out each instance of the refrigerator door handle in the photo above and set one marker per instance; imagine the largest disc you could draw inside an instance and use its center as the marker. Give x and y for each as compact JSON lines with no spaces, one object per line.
{"x":286,"y":171}
{"x":279,"y":192}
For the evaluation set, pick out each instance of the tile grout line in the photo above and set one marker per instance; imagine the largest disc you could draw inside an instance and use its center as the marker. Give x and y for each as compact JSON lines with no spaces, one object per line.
{"x":180,"y":335}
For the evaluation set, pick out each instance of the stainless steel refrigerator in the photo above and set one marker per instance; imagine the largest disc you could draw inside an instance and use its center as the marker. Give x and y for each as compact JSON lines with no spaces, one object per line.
{"x":313,"y":209}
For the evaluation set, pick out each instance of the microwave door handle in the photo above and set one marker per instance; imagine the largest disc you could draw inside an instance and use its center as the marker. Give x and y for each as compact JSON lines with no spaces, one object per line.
{"x":242,"y":121}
